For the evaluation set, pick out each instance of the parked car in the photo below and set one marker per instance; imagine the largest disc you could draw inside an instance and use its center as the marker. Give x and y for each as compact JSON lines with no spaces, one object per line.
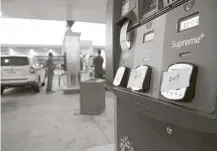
{"x":21,"y":71}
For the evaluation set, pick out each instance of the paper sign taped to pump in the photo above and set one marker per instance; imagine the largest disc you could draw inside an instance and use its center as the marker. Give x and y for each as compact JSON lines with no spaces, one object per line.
{"x":176,"y":79}
{"x":131,"y":78}
{"x":123,"y":36}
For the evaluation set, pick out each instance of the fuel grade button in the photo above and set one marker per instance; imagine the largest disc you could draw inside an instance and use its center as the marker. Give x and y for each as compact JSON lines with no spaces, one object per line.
{"x":142,"y":79}
{"x":121,"y":77}
{"x":131,"y":78}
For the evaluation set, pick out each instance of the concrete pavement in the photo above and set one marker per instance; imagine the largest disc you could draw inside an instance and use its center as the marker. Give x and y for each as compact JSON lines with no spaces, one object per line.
{"x":52,"y":122}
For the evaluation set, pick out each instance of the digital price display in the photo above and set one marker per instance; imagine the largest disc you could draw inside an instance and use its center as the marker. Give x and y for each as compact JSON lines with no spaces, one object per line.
{"x":189,"y":22}
{"x":148,"y":37}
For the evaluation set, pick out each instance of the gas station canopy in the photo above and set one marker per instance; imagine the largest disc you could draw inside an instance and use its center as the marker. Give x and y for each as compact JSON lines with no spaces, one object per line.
{"x":78,"y":10}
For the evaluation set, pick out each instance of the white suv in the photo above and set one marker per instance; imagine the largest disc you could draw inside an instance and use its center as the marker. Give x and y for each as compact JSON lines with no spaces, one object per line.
{"x":17,"y":71}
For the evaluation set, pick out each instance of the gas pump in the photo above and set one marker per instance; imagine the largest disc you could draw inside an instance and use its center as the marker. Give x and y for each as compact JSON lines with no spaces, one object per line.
{"x":166,"y":81}
{"x":191,"y":46}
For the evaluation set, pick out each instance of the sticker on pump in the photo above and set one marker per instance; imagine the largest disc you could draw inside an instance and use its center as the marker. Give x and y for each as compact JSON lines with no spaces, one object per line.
{"x":142,"y":79}
{"x":131,"y":78}
{"x":179,"y":82}
{"x":121,"y":77}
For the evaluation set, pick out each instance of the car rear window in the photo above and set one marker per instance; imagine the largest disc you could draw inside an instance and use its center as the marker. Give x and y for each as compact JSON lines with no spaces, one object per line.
{"x":14,"y":61}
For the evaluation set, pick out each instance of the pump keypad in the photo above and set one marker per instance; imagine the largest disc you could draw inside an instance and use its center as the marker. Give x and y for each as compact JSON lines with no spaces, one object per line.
{"x":174,"y":94}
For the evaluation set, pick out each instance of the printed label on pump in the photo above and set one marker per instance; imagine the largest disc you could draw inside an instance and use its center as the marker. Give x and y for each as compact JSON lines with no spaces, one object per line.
{"x":124,"y":41}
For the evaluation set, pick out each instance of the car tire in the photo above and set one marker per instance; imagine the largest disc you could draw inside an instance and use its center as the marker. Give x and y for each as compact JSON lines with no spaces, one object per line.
{"x":43,"y":84}
{"x":36,"y":88}
{"x":2,"y":90}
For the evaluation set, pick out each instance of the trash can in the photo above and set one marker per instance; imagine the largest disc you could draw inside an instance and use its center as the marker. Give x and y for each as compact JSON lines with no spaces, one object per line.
{"x":92,"y":96}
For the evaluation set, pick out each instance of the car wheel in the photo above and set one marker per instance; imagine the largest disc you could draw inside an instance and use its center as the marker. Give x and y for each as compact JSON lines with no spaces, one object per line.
{"x":36,"y":87}
{"x":2,"y":90}
{"x":43,"y":84}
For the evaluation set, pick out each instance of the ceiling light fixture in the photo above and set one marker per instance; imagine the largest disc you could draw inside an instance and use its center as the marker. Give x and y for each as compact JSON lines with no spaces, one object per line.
{"x":11,"y":51}
{"x":50,"y":50}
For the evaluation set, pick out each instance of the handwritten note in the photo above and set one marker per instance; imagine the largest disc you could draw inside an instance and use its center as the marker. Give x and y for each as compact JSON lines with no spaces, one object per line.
{"x":139,"y":78}
{"x":176,"y":79}
{"x":131,"y":78}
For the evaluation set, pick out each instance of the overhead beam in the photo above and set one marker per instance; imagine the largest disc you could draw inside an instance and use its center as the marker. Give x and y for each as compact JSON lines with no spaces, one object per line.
{"x":79,"y":10}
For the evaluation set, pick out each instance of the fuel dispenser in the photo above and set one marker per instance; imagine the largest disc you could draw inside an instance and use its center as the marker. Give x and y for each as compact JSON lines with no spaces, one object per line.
{"x":166,"y":81}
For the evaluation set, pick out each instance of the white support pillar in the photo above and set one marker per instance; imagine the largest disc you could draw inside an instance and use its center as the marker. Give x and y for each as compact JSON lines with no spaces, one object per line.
{"x":71,"y":47}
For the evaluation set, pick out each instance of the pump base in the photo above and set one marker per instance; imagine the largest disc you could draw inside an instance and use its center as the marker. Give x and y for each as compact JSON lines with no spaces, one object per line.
{"x":136,"y":131}
{"x":71,"y":90}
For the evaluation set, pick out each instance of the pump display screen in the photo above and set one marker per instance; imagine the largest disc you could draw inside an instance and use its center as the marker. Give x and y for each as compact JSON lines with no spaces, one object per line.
{"x":148,"y":37}
{"x":189,"y":22}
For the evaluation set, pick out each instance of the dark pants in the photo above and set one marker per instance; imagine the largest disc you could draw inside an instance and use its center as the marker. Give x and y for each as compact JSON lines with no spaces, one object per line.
{"x":99,"y":75}
{"x":49,"y":81}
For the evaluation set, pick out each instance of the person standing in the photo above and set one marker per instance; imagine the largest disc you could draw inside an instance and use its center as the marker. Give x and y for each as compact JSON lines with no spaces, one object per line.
{"x":50,"y":68}
{"x":97,"y":62}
